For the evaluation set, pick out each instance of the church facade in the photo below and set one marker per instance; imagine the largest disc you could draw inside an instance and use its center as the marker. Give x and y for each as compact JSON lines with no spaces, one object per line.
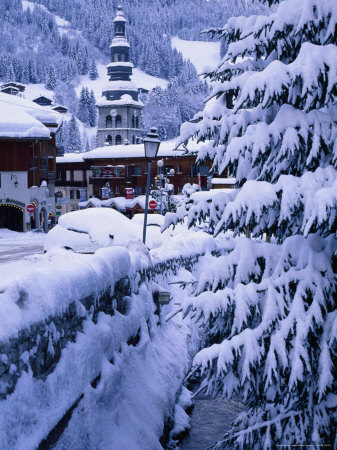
{"x":119,"y":108}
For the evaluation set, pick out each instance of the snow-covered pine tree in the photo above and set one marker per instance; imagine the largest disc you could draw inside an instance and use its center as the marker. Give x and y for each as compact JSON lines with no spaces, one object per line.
{"x":93,"y":73}
{"x":92,"y":110}
{"x":83,"y":106}
{"x":269,"y":309}
{"x":74,"y":143}
{"x":51,"y":79}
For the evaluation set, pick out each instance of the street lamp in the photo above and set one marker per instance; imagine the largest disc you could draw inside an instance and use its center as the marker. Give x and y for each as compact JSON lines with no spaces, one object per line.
{"x":151,"y":146}
{"x":160,"y":164}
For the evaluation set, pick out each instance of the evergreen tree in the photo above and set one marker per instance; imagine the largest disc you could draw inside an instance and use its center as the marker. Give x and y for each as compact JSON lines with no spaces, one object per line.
{"x":10,"y":75}
{"x":92,"y":110}
{"x":93,"y":74}
{"x":51,"y":79}
{"x":83,"y":106}
{"x":268,"y":310}
{"x":74,"y":138}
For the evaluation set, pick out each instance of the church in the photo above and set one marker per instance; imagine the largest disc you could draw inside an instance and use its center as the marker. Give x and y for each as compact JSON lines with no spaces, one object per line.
{"x":119,"y":108}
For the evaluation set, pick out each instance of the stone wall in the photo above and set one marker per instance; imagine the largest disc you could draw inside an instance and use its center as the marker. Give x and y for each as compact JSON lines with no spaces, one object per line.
{"x":36,"y":350}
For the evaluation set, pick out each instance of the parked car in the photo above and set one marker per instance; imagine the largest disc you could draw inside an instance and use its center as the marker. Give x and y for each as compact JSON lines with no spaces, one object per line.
{"x":153,"y":220}
{"x":86,"y":230}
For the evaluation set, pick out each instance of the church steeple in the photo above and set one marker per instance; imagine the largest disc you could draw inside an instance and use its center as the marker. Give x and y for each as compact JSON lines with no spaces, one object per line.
{"x":119,"y":108}
{"x":120,"y":67}
{"x":119,"y":23}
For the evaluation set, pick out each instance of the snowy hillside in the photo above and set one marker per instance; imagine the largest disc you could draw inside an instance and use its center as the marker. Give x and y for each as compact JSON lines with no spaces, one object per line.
{"x":202,"y":54}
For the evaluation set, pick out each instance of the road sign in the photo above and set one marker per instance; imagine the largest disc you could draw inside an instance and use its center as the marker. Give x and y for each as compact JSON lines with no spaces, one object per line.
{"x":152,"y":204}
{"x":30,"y":208}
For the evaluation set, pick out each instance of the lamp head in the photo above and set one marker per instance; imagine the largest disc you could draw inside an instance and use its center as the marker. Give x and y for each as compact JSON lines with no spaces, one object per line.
{"x":151,"y":144}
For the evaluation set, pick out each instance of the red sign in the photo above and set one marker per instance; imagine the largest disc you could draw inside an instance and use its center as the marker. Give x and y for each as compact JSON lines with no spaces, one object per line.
{"x":30,"y":208}
{"x":152,"y":204}
{"x":129,"y":193}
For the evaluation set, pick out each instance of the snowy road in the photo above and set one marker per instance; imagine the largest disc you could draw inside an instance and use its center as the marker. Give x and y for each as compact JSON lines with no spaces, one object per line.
{"x":15,"y":246}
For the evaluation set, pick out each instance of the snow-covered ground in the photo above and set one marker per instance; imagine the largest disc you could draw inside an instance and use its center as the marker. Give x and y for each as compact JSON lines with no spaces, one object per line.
{"x":203,"y":55}
{"x":15,"y":246}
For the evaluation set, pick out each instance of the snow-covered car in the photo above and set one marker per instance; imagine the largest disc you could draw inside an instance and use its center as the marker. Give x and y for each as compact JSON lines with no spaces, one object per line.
{"x":89,"y":229}
{"x":153,"y":220}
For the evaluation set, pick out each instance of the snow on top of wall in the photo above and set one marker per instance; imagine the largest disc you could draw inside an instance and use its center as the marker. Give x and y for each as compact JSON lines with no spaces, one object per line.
{"x":223,"y":180}
{"x":202,"y":54}
{"x":21,"y":118}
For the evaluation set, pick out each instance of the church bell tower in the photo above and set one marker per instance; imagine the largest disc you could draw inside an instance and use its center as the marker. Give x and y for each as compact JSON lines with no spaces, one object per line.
{"x":119,"y":109}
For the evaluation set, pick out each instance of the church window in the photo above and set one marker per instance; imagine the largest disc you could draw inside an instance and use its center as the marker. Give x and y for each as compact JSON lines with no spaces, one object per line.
{"x":133,"y":122}
{"x":108,"y":122}
{"x":118,"y":139}
{"x":137,"y":122}
{"x":109,"y":139}
{"x":119,"y":57}
{"x":118,"y":121}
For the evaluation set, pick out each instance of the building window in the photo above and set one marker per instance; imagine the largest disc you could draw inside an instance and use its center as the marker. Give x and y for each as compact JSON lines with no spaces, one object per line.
{"x":134,"y":170}
{"x":117,"y":189}
{"x":72,"y":194}
{"x":108,"y":122}
{"x":133,"y":139}
{"x":138,"y":190}
{"x":179,"y":168}
{"x":109,"y":139}
{"x":118,"y":121}
{"x":118,"y":139}
{"x":78,"y":195}
{"x":137,"y":122}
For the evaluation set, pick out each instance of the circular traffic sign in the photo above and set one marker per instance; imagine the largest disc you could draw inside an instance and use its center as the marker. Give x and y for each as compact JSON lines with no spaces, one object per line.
{"x":30,"y":208}
{"x":152,"y":204}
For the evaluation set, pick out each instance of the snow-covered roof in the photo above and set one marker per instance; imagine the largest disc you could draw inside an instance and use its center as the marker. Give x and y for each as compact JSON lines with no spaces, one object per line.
{"x":125,"y":99}
{"x":167,"y":148}
{"x":22,"y":118}
{"x":69,"y":158}
{"x":119,"y":42}
{"x":120,"y":17}
{"x":120,"y":85}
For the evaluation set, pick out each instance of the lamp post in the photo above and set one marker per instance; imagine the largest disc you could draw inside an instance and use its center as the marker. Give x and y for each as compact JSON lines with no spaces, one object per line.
{"x":151,"y":146}
{"x":160,"y":164}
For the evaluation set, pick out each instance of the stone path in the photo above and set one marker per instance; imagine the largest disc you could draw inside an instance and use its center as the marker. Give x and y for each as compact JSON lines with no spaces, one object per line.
{"x":210,"y":418}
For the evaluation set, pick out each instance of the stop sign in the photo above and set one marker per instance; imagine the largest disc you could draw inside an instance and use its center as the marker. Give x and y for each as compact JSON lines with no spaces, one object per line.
{"x":152,"y":204}
{"x":30,"y":208}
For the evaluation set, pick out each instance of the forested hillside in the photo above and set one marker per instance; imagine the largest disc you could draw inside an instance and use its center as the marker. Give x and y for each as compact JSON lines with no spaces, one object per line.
{"x":37,"y":48}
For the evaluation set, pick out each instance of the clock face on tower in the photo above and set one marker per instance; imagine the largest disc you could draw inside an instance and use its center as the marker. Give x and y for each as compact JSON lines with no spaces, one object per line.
{"x":113,"y":113}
